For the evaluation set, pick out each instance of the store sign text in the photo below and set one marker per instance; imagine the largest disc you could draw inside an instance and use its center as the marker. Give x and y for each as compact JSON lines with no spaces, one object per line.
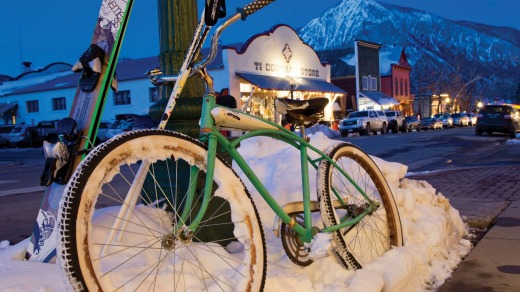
{"x":283,"y":68}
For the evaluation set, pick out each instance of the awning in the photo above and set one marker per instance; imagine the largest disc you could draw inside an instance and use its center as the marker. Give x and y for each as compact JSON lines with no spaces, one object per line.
{"x":8,"y":109}
{"x":283,"y":83}
{"x":379,"y":97}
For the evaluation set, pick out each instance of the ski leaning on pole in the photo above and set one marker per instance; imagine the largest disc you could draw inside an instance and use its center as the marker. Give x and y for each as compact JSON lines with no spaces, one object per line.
{"x":77,"y":133}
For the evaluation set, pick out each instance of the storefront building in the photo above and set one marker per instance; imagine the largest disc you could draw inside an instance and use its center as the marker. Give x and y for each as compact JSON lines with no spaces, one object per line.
{"x":272,"y":65}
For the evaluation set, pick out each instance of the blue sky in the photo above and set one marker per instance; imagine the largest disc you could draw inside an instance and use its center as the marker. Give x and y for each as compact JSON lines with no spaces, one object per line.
{"x":43,"y":32}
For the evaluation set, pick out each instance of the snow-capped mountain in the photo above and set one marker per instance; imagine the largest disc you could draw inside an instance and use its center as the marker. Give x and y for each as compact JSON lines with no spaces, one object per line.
{"x":433,"y":44}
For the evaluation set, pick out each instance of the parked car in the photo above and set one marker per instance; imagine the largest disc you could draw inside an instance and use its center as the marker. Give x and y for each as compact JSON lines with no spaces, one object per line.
{"x":48,"y":130}
{"x":143,"y":122}
{"x":24,"y":135}
{"x":460,"y":119}
{"x":4,"y":135}
{"x":364,"y":122}
{"x":472,"y":119}
{"x":447,"y":121}
{"x":102,"y":131}
{"x":498,"y":118}
{"x":412,"y":123}
{"x":118,"y":128}
{"x":431,"y":123}
{"x":396,"y":121}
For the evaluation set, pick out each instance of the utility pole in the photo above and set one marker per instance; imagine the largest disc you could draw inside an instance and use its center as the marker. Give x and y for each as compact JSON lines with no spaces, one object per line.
{"x":177,"y":22}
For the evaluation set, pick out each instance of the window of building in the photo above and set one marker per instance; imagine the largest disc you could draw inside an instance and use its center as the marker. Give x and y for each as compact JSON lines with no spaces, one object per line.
{"x":154,"y":94}
{"x":59,"y":104}
{"x":32,"y":106}
{"x":122,"y":97}
{"x":406,"y":88}
{"x":373,"y":83}
{"x":365,"y":83}
{"x":396,"y":87}
{"x":401,"y":87}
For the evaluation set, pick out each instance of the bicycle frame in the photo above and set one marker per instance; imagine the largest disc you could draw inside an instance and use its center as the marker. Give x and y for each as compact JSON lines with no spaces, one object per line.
{"x":210,"y":134}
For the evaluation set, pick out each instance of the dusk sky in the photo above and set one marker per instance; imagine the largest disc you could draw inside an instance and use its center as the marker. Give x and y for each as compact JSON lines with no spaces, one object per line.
{"x":44,"y":32}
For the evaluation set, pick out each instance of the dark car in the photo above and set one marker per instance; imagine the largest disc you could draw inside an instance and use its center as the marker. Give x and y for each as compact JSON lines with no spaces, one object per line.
{"x":498,"y":118}
{"x":4,"y":134}
{"x":412,"y":123}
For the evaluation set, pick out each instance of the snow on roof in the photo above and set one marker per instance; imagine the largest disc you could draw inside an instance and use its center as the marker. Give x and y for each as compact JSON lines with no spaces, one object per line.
{"x":387,"y":57}
{"x":22,"y":85}
{"x":127,"y":69}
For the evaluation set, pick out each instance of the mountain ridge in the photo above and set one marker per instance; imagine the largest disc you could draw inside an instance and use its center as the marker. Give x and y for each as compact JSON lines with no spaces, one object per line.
{"x":433,"y":44}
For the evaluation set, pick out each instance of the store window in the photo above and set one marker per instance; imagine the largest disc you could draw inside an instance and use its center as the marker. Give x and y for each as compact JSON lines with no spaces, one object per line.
{"x":365,"y":83}
{"x":122,"y":97}
{"x":373,"y":83}
{"x":32,"y":106}
{"x":59,"y":104}
{"x":154,"y":94}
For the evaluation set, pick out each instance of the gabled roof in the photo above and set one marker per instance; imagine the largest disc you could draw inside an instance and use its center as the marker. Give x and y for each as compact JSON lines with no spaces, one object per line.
{"x":391,"y":56}
{"x":335,"y":57}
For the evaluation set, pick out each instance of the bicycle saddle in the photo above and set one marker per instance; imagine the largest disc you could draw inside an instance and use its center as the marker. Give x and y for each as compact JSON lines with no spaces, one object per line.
{"x":305,"y":112}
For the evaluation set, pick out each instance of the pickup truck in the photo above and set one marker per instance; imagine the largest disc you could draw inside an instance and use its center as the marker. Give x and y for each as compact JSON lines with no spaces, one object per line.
{"x":396,"y":121}
{"x":48,"y":130}
{"x":364,"y":122}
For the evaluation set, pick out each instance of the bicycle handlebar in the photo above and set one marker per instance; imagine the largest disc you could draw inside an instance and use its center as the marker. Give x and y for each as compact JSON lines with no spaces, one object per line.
{"x":242,"y":13}
{"x":253,"y":7}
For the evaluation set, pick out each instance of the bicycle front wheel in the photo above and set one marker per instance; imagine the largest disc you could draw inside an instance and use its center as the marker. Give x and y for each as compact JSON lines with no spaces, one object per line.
{"x":114,"y":237}
{"x":341,"y":199}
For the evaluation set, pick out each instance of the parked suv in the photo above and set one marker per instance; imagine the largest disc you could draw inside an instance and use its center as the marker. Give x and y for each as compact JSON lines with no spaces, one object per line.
{"x":498,"y":118}
{"x":364,"y":122}
{"x":396,"y":121}
{"x":446,"y":119}
{"x":48,"y":130}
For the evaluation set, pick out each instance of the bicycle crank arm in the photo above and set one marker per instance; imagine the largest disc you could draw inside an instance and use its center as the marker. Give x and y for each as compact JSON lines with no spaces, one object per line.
{"x":298,"y":207}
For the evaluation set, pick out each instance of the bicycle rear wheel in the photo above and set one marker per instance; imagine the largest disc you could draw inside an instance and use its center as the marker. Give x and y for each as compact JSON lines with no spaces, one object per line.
{"x":109,"y":242}
{"x":364,"y":241}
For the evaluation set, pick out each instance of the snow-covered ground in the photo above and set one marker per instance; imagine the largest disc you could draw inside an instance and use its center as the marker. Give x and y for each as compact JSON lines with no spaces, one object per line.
{"x":434,"y":235}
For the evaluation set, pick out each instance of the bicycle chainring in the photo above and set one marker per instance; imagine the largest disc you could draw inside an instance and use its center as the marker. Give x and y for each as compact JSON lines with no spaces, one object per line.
{"x":292,"y":245}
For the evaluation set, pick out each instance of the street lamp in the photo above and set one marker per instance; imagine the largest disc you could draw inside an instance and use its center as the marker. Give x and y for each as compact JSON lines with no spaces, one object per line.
{"x":480,"y":104}
{"x":293,"y":84}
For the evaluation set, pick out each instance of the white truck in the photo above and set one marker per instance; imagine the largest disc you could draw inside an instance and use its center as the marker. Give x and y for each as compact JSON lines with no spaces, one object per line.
{"x":396,"y":121}
{"x":364,"y":122}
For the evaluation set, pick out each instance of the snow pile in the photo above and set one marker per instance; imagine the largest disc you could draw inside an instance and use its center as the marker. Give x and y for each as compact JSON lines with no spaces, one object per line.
{"x":433,"y":235}
{"x":433,"y":230}
{"x":324,"y":129}
{"x":514,"y":141}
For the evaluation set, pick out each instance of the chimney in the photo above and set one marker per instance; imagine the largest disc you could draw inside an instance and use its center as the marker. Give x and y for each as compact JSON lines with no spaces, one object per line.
{"x":26,"y":66}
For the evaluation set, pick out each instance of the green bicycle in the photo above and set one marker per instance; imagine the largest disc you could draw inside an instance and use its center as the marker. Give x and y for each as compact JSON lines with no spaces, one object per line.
{"x":158,"y":210}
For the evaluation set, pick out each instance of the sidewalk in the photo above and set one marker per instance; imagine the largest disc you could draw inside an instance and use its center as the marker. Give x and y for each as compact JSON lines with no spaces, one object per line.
{"x":486,"y":198}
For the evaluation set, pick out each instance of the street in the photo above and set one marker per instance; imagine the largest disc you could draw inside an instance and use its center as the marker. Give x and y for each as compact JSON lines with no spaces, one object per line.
{"x":424,"y":151}
{"x":439,"y":149}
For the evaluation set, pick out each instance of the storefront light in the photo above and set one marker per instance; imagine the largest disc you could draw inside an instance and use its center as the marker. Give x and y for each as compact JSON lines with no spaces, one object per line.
{"x":245,"y":87}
